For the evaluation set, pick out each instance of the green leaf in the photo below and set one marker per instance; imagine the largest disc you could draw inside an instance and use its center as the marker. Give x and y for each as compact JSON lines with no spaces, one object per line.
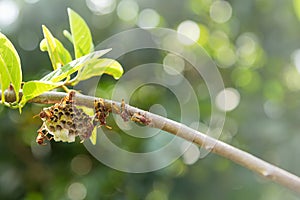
{"x":33,"y":89}
{"x":297,"y":8}
{"x":63,"y":54}
{"x":81,"y":34}
{"x":65,"y":71}
{"x":10,"y":66}
{"x":93,"y":137}
{"x":68,"y":35}
{"x":58,"y":54}
{"x":99,"y":67}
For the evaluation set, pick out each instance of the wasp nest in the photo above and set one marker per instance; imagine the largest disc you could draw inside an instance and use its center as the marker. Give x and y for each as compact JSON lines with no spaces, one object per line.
{"x":64,"y":121}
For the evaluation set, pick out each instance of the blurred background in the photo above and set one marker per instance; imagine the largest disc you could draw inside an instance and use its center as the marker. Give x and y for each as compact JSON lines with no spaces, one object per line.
{"x":256,"y":46}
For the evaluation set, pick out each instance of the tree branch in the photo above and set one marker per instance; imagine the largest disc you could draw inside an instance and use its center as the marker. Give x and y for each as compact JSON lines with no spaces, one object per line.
{"x":243,"y":158}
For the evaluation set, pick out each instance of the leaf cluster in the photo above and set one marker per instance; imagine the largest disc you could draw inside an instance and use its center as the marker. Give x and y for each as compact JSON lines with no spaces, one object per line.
{"x":66,"y":71}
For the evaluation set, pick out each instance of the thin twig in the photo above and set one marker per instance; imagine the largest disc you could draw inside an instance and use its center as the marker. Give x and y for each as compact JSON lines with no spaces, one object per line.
{"x":243,"y":158}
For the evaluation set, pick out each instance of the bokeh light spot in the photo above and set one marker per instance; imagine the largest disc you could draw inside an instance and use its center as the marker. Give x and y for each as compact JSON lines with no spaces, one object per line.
{"x":204,"y":34}
{"x":292,"y":78}
{"x":77,"y":191}
{"x":148,"y":18}
{"x":9,"y":12}
{"x":189,"y":32}
{"x":248,"y":50}
{"x":218,"y":39}
{"x":10,"y":180}
{"x":158,"y":109}
{"x":228,"y":99}
{"x":32,"y":1}
{"x":226,"y":57}
{"x":101,"y":7}
{"x":242,"y":77}
{"x":40,"y":151}
{"x":156,"y":194}
{"x":191,"y":153}
{"x":81,"y":164}
{"x":173,"y":64}
{"x":296,"y":59}
{"x":273,"y":109}
{"x":28,"y":40}
{"x":273,"y":90}
{"x":246,"y":44}
{"x":247,"y":79}
{"x":220,"y":11}
{"x":127,"y":10}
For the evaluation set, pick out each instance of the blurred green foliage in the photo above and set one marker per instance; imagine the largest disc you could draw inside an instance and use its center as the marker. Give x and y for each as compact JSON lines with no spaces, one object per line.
{"x":256,"y":47}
